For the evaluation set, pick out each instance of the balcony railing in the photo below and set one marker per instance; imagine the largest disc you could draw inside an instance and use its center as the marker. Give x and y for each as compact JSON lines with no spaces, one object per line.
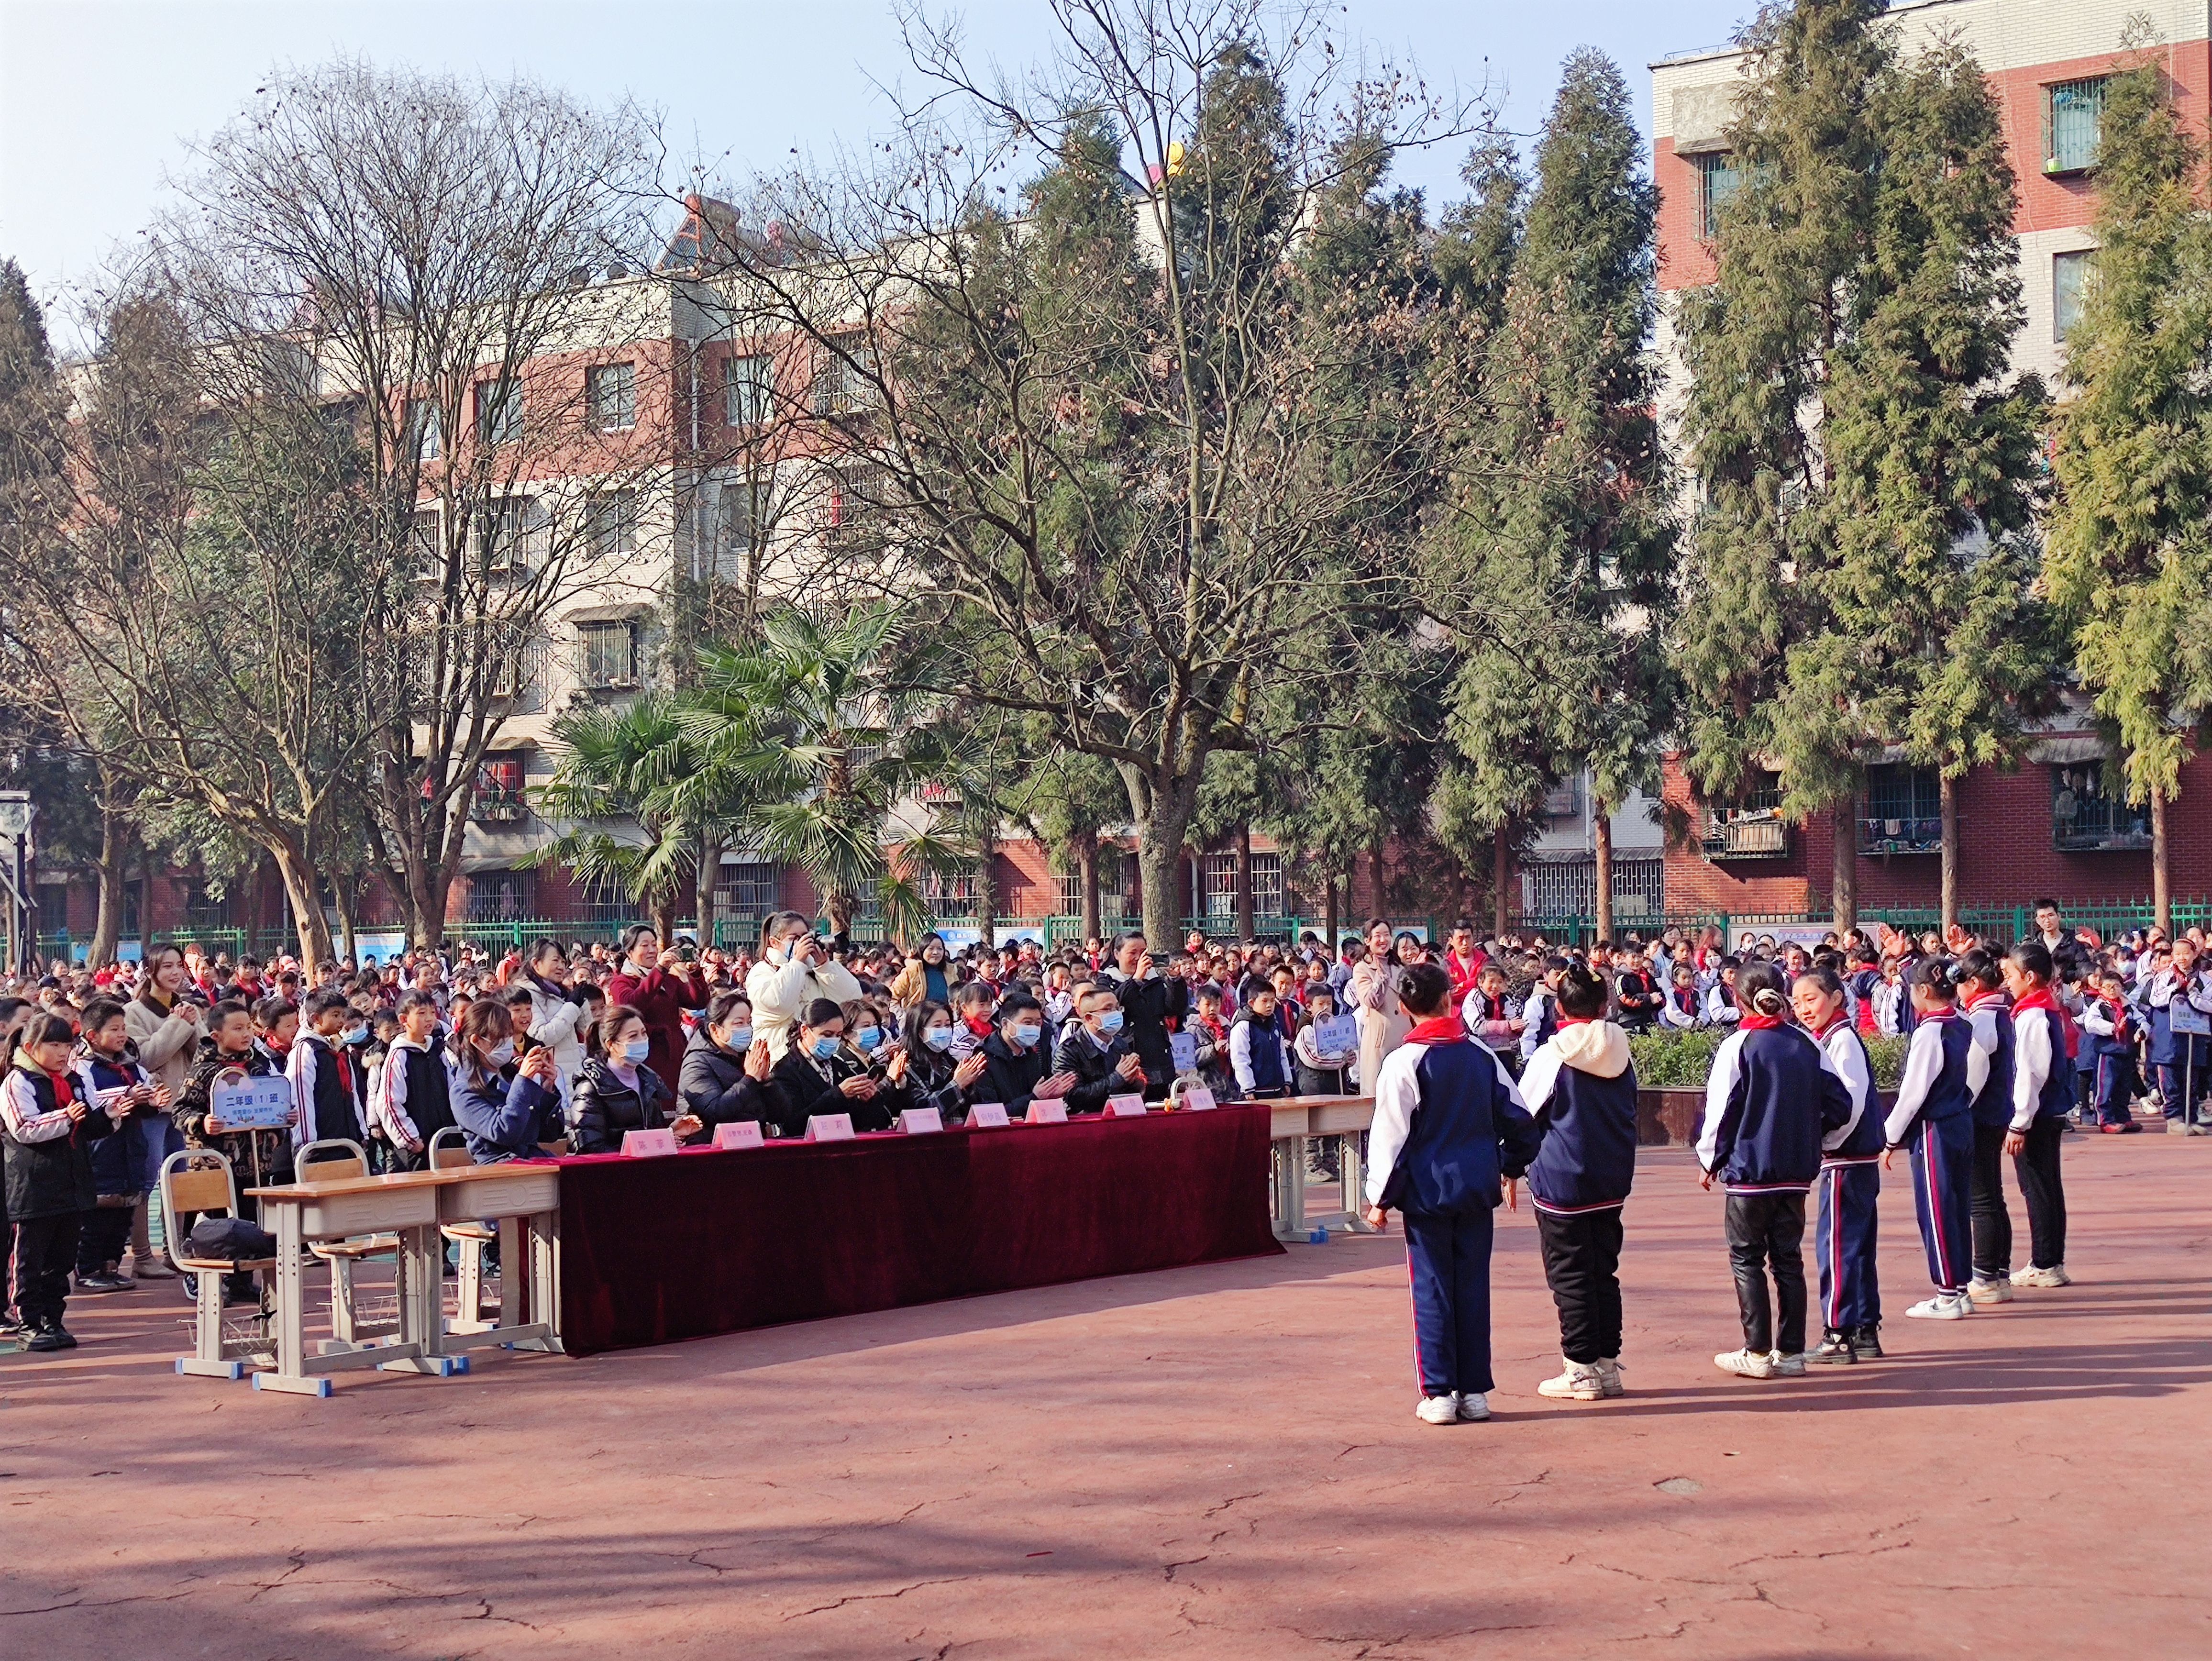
{"x":2098,"y":824}
{"x":499,"y":806}
{"x":1887,"y":836}
{"x":1758,"y":835}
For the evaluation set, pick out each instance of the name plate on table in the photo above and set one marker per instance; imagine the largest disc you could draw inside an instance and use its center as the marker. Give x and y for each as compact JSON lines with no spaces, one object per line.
{"x":987,"y":1116}
{"x":745,"y":1133}
{"x":1126,"y":1107}
{"x":1197,"y":1101}
{"x":1182,"y":1051}
{"x":2189,"y":1020}
{"x":251,"y":1104}
{"x":1045,"y":1113}
{"x":829,"y":1128}
{"x":921,"y":1121}
{"x":648,"y":1144}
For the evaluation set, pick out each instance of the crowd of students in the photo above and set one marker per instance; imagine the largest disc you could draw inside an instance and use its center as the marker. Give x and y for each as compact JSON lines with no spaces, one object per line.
{"x":566,"y":1048}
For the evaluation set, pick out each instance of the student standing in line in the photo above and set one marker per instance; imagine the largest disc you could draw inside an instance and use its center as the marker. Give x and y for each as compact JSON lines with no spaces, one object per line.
{"x":1989,"y":1011}
{"x":1449,"y":1127}
{"x":1850,"y":1183}
{"x":104,"y":1075}
{"x":1771,"y":1098}
{"x":2111,"y":1039}
{"x":1944,"y":1071}
{"x":414,"y":1096}
{"x":2042,"y":1098}
{"x":46,"y":1133}
{"x":1580,"y":1087}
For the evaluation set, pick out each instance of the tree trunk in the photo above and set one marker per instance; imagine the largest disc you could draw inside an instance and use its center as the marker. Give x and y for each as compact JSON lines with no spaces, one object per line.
{"x":1844,"y":874}
{"x":1329,"y":915}
{"x":1374,"y":879}
{"x":1086,"y":866}
{"x":1247,"y":918}
{"x":347,"y":888}
{"x":709,"y":874}
{"x":301,"y":888}
{"x":114,"y":852}
{"x":661,"y":910}
{"x":1949,"y":788}
{"x":2161,"y":885}
{"x":1501,"y":879}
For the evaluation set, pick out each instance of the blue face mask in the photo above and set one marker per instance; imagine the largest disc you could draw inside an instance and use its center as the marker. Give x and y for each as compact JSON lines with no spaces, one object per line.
{"x":826,"y":1046}
{"x":740,"y":1037}
{"x":354,"y":1035}
{"x":637,"y":1050}
{"x":1111,"y":1022}
{"x":939,"y":1037}
{"x":868,"y":1037}
{"x":1027,"y":1035}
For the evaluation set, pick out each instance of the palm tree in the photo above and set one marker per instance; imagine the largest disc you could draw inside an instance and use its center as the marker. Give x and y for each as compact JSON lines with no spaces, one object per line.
{"x":826,"y":734}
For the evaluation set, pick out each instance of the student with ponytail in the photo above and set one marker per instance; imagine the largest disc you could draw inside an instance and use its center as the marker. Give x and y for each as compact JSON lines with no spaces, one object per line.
{"x":1850,"y":1183}
{"x":2042,"y":1098}
{"x":1771,"y":1098}
{"x":1944,"y":1070}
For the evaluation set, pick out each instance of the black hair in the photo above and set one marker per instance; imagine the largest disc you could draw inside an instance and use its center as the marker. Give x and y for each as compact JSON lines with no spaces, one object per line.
{"x":718,"y":1011}
{"x":1424,"y":988}
{"x":99,"y":1013}
{"x":271,"y":1010}
{"x":2032,"y":958}
{"x":46,"y":1028}
{"x":320,"y":1003}
{"x":1977,"y":968}
{"x":1934,"y":974}
{"x":1824,"y":975}
{"x":1554,"y":963}
{"x":1583,"y":993}
{"x":821,"y":1011}
{"x":416,"y":1000}
{"x":1019,"y":1003}
{"x":618,"y":1016}
{"x":518,"y":996}
{"x":1758,"y":987}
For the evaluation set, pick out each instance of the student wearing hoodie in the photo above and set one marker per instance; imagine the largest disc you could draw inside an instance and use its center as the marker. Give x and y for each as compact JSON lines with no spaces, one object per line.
{"x":1581,"y":1089}
{"x":1851,"y":1180}
{"x":1771,"y":1097}
{"x":1944,"y":1070}
{"x":1449,"y":1127}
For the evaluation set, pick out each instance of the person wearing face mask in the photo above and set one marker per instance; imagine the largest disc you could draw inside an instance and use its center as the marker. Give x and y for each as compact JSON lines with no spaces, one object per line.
{"x":1151,"y":1006}
{"x":320,"y":1067}
{"x":620,"y":1092}
{"x":1016,"y":1058}
{"x":726,"y":1066}
{"x":504,"y":1110}
{"x":1097,"y":1053}
{"x":795,"y":971}
{"x":820,"y":1074}
{"x":935,"y":1076}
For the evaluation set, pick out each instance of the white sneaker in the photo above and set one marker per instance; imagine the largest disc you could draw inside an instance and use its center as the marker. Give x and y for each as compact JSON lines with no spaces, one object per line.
{"x":1786,"y":1367}
{"x":1988,"y":1291}
{"x":1474,"y":1407}
{"x":1608,"y":1374}
{"x":2033,"y":1276}
{"x":1580,"y":1382}
{"x":1746,"y":1364}
{"x":1437,"y":1410}
{"x":1943,"y":1307}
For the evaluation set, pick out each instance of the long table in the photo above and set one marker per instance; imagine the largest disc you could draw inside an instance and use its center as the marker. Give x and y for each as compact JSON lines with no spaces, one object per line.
{"x":709,"y":1241}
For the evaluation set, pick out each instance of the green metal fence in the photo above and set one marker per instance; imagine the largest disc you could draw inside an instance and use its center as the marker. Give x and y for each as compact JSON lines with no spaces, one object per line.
{"x":1998,"y":922}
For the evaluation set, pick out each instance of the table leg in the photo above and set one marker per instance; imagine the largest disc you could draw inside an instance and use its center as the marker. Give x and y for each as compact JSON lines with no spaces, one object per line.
{"x":291,"y":1377}
{"x":1352,"y":1172}
{"x":422,"y":1309}
{"x":513,"y":1277}
{"x":1290,"y":1161}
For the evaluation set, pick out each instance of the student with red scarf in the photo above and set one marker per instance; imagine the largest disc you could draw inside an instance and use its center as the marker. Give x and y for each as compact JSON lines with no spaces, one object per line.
{"x":2043,"y":1098}
{"x":2110,"y":1025}
{"x":47,"y":1130}
{"x":1448,"y":1129}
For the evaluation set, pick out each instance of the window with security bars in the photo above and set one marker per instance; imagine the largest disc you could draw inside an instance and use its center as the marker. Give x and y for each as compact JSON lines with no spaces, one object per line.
{"x":749,"y":889}
{"x":2069,"y":278}
{"x":610,"y":389}
{"x":738,"y":515}
{"x":500,"y":895}
{"x":841,"y":380}
{"x":1719,"y":179}
{"x":945,"y":896}
{"x":748,"y":390}
{"x":1568,"y":888}
{"x":2073,"y":119}
{"x":606,"y":654}
{"x":610,"y":524}
{"x":1220,"y":878}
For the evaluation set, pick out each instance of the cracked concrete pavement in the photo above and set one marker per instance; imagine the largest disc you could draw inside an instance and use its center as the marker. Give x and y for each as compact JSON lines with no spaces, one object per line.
{"x":1213,"y":1462}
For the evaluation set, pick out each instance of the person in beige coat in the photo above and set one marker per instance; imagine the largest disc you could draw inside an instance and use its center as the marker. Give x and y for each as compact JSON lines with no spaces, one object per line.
{"x":165,"y":1030}
{"x":795,"y":969}
{"x":1373,"y":994}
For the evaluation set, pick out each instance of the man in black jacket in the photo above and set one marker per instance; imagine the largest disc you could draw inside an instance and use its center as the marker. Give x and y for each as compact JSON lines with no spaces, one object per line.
{"x":1151,"y":1006}
{"x":1014,"y":1059}
{"x":1097,"y":1053}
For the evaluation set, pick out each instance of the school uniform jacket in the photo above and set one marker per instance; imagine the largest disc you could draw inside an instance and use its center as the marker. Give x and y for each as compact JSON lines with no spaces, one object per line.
{"x":2042,"y":1080}
{"x":2166,"y":1049}
{"x":1721,"y":1006}
{"x":119,"y":1160}
{"x":1681,"y":1009}
{"x":1448,"y":1125}
{"x":48,"y":1157}
{"x":1771,"y":1097}
{"x":1858,"y":1141}
{"x":1539,"y":1019}
{"x":2105,"y":1022}
{"x":322,"y":1085}
{"x":1259,"y":1057}
{"x":1580,"y":1089}
{"x":414,"y":1098}
{"x":1944,"y":1070}
{"x":1991,"y":1019}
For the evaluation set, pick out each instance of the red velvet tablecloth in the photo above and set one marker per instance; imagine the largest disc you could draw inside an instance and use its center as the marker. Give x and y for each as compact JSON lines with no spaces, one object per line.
{"x":691,"y":1244}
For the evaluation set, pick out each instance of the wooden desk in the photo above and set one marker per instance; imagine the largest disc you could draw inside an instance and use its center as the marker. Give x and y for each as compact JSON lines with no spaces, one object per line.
{"x":523,"y":1198}
{"x":1295,"y":1118}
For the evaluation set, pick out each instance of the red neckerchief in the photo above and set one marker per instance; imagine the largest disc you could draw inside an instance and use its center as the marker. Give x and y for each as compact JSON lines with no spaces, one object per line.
{"x":978,"y":1025}
{"x":63,"y":1095}
{"x":1566,"y":1021}
{"x":2040,"y":998}
{"x":1442,"y":1029}
{"x":1686,"y":998}
{"x":1976,"y":1001}
{"x":2119,"y":1016}
{"x":1758,"y":1023}
{"x":1822,"y":1036}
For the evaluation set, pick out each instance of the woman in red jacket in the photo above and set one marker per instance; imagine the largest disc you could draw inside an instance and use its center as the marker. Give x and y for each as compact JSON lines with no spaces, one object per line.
{"x":660,"y":988}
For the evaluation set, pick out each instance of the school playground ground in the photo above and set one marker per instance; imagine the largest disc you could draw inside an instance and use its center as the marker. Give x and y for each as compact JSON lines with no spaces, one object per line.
{"x":1209,"y":1462}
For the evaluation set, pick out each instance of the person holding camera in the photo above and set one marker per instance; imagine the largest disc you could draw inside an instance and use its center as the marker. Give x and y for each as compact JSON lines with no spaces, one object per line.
{"x":660,"y":986}
{"x":1151,"y":1008}
{"x":795,"y":969}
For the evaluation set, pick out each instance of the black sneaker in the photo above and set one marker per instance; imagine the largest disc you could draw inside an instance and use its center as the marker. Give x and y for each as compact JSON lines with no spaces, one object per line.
{"x":191,"y":1283}
{"x":1866,"y":1343}
{"x":47,"y":1338}
{"x":65,"y":1338}
{"x":1834,"y":1350}
{"x":103,"y":1282}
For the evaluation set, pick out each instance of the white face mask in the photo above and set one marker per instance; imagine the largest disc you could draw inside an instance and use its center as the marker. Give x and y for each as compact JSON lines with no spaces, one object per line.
{"x":500,"y":1053}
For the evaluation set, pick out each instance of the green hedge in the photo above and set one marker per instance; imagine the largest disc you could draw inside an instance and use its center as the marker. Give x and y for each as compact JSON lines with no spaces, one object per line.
{"x":1680,"y":1060}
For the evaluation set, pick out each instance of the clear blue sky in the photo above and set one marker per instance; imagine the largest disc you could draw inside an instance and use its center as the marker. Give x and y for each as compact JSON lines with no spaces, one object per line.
{"x":95,"y":95}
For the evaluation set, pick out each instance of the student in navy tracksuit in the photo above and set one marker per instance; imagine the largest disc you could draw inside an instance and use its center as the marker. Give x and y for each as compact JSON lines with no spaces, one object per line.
{"x":1449,"y":1126}
{"x":1851,"y":1180}
{"x":1772,"y":1096}
{"x":1539,"y":1014}
{"x":1989,"y":1011}
{"x":1944,"y":1070}
{"x":2112,"y":1038}
{"x":1581,"y":1089}
{"x":2042,"y":1100}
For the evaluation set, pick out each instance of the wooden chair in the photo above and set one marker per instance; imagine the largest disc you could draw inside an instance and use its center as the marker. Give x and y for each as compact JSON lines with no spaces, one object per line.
{"x":334,"y":1159}
{"x":448,"y":1148}
{"x":200,"y":1180}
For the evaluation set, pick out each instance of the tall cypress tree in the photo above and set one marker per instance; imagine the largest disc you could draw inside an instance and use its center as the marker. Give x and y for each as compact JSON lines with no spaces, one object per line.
{"x":1566,"y":531}
{"x":2131,"y":554}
